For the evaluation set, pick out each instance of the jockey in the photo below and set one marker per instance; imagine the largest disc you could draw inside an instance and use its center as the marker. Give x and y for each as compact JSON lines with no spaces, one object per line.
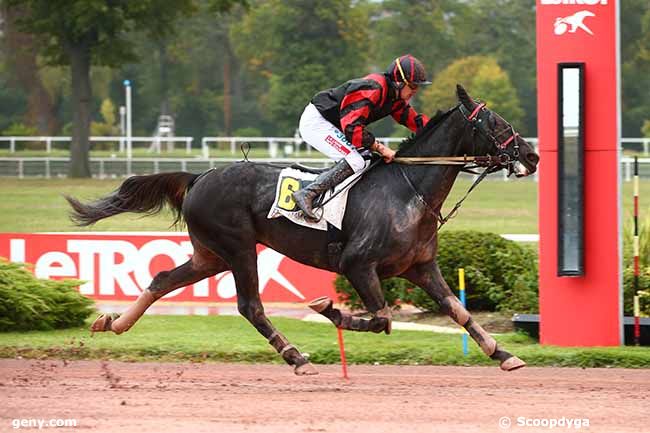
{"x":335,"y":121}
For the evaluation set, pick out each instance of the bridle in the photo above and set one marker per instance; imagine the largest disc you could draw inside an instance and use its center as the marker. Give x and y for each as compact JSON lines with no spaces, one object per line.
{"x":478,"y":119}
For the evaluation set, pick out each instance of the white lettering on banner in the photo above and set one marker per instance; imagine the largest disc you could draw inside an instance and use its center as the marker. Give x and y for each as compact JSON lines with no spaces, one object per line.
{"x":107,"y":264}
{"x":574,"y":2}
{"x":55,"y":264}
{"x":17,"y":253}
{"x":155,"y":248}
{"x":111,"y":273}
{"x":86,"y":250}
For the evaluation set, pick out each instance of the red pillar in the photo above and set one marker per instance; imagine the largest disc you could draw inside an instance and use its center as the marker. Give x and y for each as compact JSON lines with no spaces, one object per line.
{"x":581,"y":310}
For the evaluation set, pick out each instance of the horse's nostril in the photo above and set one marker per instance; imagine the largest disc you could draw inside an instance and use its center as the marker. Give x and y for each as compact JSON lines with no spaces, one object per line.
{"x":533,"y":157}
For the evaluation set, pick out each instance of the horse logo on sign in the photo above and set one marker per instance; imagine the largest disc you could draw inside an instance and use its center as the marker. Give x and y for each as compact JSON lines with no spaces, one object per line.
{"x":576,"y":21}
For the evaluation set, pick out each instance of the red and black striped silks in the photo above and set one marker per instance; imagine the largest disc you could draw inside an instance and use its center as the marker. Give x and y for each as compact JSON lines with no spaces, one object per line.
{"x":357,"y":103}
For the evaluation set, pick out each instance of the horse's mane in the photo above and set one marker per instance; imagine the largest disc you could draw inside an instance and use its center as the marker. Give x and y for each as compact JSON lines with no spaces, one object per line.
{"x":432,"y":125}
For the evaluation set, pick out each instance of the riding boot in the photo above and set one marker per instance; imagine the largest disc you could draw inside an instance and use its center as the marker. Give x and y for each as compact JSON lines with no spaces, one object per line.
{"x":304,"y":198}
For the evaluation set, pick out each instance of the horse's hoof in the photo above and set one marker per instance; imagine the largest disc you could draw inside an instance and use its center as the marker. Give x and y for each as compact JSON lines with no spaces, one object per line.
{"x":512,"y":363}
{"x":320,"y":304}
{"x":305,"y":370}
{"x":103,"y":323}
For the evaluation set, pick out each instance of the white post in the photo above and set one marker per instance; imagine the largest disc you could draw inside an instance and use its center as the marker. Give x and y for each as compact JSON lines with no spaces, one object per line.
{"x":188,"y":144}
{"x":12,"y":145}
{"x":122,"y":127}
{"x":48,"y":144}
{"x":129,"y":150}
{"x":646,"y":143}
{"x":204,"y":148}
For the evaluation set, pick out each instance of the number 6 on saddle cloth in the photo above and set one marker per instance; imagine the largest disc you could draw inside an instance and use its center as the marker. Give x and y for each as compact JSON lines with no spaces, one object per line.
{"x":291,"y":180}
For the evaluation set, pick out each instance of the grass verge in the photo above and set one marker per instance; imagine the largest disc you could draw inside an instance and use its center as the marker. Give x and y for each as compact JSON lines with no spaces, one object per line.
{"x":232,"y":339}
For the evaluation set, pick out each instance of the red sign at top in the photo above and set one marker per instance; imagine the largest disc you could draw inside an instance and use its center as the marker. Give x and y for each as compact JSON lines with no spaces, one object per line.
{"x":579,"y":31}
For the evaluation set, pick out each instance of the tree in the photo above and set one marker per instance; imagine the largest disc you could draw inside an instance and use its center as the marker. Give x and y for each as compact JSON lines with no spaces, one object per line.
{"x":504,"y":30}
{"x":635,"y":59}
{"x":22,"y":65}
{"x":299,"y":48}
{"x":81,"y":33}
{"x":483,"y":78}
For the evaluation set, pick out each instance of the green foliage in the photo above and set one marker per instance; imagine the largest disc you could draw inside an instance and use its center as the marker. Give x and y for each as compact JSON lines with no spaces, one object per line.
{"x":13,"y":103}
{"x":296,"y":59}
{"x":645,"y":130}
{"x":420,"y":28}
{"x":29,"y":303}
{"x":629,"y":292}
{"x":247,"y":132}
{"x":506,"y":31}
{"x":635,"y":64}
{"x":644,"y":265}
{"x":483,"y":78}
{"x":107,"y":128}
{"x":20,"y":130}
{"x":644,"y":241}
{"x":97,"y":26}
{"x":499,"y":275}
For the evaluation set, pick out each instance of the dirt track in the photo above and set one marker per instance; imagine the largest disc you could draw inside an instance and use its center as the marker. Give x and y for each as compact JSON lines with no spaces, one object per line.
{"x":163,"y":398}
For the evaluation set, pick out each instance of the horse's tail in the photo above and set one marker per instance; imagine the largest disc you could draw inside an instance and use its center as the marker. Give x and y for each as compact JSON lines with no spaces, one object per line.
{"x":139,"y":194}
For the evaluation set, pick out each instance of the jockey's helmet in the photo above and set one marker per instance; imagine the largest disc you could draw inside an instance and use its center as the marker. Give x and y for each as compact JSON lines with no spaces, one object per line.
{"x":407,"y":70}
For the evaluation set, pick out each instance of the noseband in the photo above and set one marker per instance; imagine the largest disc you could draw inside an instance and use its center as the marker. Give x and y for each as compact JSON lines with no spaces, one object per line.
{"x":479,"y":119}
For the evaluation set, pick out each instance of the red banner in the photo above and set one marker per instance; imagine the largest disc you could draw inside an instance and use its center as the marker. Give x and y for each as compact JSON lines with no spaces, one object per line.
{"x":118,"y":266}
{"x":581,"y":310}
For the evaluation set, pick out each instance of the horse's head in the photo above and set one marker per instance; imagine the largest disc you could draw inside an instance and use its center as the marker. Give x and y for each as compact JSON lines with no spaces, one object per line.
{"x":493,"y":135}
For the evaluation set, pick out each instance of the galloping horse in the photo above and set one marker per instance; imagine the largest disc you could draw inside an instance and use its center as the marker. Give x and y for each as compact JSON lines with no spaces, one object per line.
{"x":389,"y":229}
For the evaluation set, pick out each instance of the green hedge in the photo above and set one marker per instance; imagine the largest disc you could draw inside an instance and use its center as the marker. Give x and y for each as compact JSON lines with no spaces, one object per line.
{"x":499,"y":275}
{"x":28,"y":303}
{"x":644,"y":291}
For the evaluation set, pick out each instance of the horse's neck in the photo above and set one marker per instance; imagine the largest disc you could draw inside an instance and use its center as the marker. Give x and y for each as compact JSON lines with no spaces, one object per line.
{"x":434,"y":182}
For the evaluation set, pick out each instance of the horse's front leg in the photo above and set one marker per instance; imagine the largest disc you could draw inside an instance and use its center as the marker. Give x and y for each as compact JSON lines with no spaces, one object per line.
{"x":428,"y":277}
{"x":365,"y":281}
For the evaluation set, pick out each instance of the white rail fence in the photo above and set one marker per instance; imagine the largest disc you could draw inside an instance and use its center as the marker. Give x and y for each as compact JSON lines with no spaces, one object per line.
{"x":121,"y":143}
{"x":276,"y":146}
{"x":278,"y":149}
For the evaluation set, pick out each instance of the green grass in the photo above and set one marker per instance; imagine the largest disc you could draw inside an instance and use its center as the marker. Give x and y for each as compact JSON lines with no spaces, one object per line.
{"x":32,"y":205}
{"x":232,"y":339}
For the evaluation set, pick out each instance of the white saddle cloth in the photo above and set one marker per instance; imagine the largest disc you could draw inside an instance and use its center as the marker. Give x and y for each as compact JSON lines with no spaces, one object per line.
{"x":291,"y":180}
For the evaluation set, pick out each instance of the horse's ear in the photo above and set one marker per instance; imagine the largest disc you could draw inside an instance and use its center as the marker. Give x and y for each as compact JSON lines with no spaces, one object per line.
{"x":464,"y":98}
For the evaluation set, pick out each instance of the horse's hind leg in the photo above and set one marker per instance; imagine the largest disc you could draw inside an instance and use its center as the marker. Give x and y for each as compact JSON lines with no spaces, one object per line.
{"x":429,"y":278}
{"x":203,"y":264}
{"x":365,"y":281}
{"x":244,"y":269}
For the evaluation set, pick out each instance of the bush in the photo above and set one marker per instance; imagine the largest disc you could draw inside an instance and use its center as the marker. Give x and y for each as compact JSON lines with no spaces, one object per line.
{"x":499,"y":275}
{"x":22,"y":130}
{"x":644,"y":291}
{"x":29,"y":303}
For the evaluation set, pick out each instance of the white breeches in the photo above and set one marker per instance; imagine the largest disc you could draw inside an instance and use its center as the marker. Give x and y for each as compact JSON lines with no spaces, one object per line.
{"x":320,"y":134}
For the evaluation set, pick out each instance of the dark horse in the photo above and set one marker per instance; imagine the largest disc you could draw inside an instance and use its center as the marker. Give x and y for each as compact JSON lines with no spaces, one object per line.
{"x":390,"y":228}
